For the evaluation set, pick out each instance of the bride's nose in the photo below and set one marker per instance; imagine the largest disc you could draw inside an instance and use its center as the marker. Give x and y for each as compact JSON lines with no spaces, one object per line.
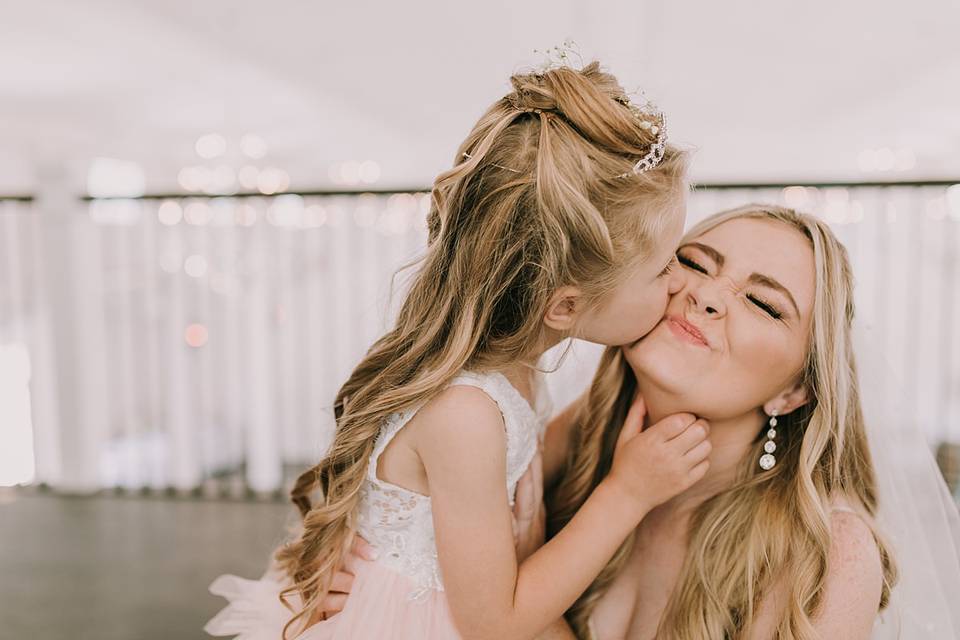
{"x":707,"y":298}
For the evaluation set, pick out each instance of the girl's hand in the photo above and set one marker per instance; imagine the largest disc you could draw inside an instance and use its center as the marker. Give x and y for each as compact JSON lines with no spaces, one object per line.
{"x":654,"y":464}
{"x":336,"y":598}
{"x":529,"y":515}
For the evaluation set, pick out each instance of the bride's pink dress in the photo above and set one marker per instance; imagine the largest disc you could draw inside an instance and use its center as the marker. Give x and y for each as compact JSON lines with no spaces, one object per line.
{"x":399,"y":595}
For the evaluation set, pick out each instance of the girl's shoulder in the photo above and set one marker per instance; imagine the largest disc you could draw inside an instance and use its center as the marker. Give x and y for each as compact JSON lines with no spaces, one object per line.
{"x":481,"y":410}
{"x":459,"y":411}
{"x":469,"y":398}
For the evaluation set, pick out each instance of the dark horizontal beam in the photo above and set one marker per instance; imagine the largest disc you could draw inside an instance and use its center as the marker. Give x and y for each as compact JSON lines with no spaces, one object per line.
{"x":312,"y":192}
{"x":726,"y":186}
{"x":706,"y":186}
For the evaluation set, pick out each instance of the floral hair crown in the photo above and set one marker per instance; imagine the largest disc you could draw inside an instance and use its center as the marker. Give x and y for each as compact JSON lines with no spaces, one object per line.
{"x":647,"y":114}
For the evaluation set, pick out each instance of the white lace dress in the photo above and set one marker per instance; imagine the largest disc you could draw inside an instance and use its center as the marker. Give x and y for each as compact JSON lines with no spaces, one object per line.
{"x":400,"y":595}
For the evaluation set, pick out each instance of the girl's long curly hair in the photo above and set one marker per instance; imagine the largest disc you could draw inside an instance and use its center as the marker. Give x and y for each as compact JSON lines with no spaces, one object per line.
{"x":532,"y":203}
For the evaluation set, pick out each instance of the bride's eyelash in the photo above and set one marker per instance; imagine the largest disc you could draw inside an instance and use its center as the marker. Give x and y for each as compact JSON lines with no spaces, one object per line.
{"x":766,"y":306}
{"x":687,"y":262}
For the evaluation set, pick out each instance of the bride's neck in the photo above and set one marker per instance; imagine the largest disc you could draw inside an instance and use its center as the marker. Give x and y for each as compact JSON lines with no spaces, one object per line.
{"x":731,"y":438}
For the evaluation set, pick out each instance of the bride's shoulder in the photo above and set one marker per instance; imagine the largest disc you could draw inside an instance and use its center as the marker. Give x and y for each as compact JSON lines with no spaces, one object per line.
{"x":854,"y":554}
{"x":852,"y":533}
{"x":854,"y":581}
{"x":843,"y":503}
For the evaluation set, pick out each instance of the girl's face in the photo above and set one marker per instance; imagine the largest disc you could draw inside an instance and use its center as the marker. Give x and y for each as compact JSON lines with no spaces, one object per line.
{"x":736,"y":333}
{"x":637,"y":304}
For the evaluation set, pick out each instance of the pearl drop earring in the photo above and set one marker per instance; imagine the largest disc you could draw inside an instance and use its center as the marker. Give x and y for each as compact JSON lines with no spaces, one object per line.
{"x":767,"y":460}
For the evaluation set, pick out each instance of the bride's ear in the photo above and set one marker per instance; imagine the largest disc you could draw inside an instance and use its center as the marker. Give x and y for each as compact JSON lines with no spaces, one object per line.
{"x":564,"y":309}
{"x":788,"y":400}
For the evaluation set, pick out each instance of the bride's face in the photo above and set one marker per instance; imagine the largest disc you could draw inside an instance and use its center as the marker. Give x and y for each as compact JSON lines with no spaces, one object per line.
{"x":736,"y":334}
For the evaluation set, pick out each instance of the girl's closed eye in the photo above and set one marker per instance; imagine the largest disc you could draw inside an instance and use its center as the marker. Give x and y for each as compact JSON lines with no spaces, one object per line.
{"x":667,"y":269}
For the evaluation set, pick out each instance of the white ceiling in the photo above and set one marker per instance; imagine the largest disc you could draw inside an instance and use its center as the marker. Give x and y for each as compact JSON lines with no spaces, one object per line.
{"x":765,"y":89}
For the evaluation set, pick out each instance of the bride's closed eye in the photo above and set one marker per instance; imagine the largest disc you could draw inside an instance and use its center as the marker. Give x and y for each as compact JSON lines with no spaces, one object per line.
{"x":768,"y":308}
{"x":690,"y":263}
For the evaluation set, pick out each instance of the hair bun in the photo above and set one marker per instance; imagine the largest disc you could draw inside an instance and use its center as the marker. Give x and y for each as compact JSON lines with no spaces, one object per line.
{"x":590,"y":100}
{"x":531,"y":93}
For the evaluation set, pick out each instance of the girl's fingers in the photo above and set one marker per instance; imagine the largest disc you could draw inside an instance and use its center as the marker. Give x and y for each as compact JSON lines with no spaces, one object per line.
{"x":529,"y":497}
{"x":523,"y":503}
{"x":700,"y":452}
{"x":699,"y":471}
{"x":363,"y":549}
{"x":690,"y":437}
{"x":359,"y":552}
{"x":342,"y":582}
{"x":672,"y":426}
{"x":333,"y":603}
{"x":538,"y":478}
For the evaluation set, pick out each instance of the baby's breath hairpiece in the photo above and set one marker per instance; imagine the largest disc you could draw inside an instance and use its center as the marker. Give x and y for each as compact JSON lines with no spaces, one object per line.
{"x":561,"y":56}
{"x":650,"y":118}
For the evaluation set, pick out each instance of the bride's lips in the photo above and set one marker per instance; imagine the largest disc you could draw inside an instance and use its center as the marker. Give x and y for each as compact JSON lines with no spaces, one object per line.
{"x":686,"y":331}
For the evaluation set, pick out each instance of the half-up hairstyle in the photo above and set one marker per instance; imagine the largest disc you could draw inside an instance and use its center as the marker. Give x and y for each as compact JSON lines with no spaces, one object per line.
{"x":531,"y":204}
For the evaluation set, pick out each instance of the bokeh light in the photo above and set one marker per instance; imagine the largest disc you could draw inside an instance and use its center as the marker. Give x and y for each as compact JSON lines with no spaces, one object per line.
{"x":196,"y":335}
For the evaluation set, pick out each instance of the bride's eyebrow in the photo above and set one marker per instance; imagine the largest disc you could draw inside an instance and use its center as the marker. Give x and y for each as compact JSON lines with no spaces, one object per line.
{"x":767,"y":281}
{"x":714,"y":255}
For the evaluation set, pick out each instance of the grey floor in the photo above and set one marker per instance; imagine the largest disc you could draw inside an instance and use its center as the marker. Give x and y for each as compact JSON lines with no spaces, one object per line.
{"x":122,"y":568}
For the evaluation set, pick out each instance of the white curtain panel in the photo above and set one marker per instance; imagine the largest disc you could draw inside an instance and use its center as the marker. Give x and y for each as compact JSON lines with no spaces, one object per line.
{"x":169,"y":344}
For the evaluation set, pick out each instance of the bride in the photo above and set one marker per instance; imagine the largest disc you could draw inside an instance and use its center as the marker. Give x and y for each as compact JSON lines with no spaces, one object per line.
{"x":781,"y":539}
{"x":787,"y":535}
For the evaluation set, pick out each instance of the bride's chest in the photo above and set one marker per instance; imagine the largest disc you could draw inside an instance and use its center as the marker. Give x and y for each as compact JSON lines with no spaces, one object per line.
{"x":631,"y":609}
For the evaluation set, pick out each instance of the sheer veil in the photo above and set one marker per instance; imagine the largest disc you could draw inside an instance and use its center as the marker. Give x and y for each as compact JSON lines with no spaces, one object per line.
{"x":917,"y":514}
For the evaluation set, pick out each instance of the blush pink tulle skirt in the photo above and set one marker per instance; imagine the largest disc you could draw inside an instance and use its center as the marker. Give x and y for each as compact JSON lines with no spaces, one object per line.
{"x":379,"y":608}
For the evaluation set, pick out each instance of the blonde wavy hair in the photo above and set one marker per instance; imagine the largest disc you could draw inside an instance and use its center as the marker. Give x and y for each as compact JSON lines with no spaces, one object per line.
{"x":532,"y":204}
{"x":768,"y":522}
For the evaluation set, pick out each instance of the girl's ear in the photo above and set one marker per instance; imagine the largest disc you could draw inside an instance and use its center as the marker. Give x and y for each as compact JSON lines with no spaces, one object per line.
{"x":564,"y":309}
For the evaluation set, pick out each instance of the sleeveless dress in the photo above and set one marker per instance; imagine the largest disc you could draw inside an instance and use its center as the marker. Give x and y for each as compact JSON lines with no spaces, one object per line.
{"x":400,"y":595}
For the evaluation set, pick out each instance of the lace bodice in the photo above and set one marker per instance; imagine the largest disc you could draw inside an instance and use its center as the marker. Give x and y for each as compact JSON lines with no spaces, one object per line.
{"x":399,"y":522}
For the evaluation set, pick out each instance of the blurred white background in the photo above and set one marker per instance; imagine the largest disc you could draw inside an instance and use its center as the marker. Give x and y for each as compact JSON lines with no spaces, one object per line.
{"x":201,"y":203}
